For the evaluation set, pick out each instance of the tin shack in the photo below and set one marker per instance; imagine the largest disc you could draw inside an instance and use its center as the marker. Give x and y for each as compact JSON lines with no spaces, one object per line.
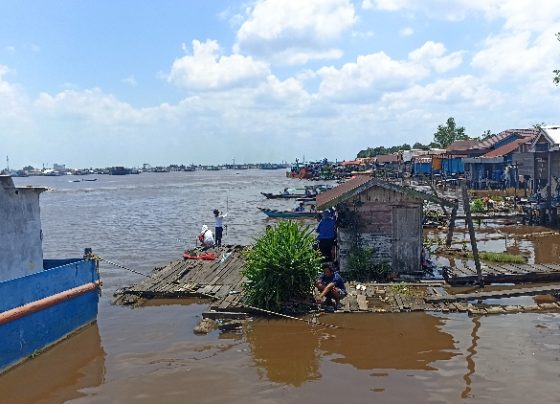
{"x":380,"y":215}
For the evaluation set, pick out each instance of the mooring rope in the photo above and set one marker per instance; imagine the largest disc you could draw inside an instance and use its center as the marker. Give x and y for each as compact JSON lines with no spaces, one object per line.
{"x":292,"y":317}
{"x":97,"y":257}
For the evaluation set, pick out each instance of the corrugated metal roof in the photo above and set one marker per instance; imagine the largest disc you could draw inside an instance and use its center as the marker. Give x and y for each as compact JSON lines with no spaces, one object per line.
{"x":361,"y":183}
{"x":508,"y":148}
{"x":553,"y":131}
{"x":387,"y":158}
{"x":464,"y":145}
{"x":325,"y":197}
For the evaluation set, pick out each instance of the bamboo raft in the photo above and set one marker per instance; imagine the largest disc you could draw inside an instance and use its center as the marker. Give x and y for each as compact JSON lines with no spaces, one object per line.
{"x":221,"y":281}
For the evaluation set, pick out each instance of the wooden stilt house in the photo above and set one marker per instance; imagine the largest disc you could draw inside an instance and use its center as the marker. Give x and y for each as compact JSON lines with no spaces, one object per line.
{"x":379,"y":215}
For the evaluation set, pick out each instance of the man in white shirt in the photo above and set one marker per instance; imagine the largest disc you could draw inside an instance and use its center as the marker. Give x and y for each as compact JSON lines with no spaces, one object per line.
{"x":219,"y":226}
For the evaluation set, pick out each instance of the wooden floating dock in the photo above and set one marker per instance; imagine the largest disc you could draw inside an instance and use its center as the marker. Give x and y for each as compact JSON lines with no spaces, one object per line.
{"x":221,"y":280}
{"x":504,"y":273}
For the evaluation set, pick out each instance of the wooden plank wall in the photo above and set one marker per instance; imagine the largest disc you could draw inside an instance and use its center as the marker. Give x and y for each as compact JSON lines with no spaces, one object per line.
{"x":378,"y":205}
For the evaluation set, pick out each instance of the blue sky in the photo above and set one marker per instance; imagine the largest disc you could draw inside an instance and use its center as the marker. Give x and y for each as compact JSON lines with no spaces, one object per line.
{"x":102,"y":83}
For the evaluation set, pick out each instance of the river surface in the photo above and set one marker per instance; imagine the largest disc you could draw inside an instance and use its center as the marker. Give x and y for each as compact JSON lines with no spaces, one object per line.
{"x":150,"y":354}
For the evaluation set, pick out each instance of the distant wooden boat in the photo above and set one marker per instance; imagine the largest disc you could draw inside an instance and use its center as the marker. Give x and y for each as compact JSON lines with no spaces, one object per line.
{"x":269,"y":195}
{"x":287,"y":214}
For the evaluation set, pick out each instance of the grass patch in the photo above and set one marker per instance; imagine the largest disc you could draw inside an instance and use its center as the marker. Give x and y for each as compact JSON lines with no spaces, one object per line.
{"x":500,"y":257}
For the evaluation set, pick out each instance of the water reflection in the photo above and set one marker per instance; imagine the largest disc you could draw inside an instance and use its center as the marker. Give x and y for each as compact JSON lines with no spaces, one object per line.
{"x":58,"y":374}
{"x":388,"y":342}
{"x":470,"y":358}
{"x":285,"y":351}
{"x":291,"y":353}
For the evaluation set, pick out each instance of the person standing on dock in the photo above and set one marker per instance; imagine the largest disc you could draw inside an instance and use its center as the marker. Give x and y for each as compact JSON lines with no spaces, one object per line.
{"x":219,"y":226}
{"x":326,"y":235}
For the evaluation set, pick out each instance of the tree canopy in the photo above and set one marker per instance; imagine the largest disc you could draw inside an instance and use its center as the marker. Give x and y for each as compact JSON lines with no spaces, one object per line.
{"x":447,"y":134}
{"x":381,"y":150}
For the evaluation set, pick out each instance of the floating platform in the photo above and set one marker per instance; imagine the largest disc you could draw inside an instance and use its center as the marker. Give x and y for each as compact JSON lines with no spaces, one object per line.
{"x":220,"y":280}
{"x":504,"y":273}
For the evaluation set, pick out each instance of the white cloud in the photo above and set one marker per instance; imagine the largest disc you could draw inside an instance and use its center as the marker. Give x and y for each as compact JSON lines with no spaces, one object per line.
{"x":100,"y":108}
{"x":207,"y":70}
{"x":367,"y":5}
{"x":130,"y":80}
{"x":432,"y":54}
{"x":518,"y":14}
{"x":11,"y":48}
{"x":407,"y":31}
{"x":457,"y":90}
{"x":13,"y":100}
{"x":292,"y":57}
{"x":296,"y":26}
{"x":368,"y":76}
{"x":518,"y":54}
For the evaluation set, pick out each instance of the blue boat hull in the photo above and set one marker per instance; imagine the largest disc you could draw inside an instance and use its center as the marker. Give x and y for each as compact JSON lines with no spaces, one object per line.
{"x":56,"y":318}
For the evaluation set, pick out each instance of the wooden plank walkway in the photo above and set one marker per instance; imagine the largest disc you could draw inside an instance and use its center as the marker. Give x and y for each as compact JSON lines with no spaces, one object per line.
{"x":221,"y":280}
{"x":504,"y":273}
{"x":496,"y":294}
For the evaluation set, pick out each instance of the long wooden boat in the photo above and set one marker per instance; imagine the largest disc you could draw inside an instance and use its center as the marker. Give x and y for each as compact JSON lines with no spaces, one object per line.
{"x":286,"y":214}
{"x":42,"y":301}
{"x":269,"y":195}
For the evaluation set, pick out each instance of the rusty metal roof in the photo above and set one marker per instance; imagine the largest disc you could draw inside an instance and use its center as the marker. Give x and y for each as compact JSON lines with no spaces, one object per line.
{"x":508,"y":148}
{"x":362,"y":183}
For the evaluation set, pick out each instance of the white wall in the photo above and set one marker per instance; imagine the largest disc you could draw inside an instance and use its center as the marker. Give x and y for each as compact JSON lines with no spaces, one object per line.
{"x":21,"y":251}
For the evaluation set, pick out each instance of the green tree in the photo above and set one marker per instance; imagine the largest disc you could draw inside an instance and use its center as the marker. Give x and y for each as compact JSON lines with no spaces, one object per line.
{"x":556,"y":72}
{"x":449,"y":133}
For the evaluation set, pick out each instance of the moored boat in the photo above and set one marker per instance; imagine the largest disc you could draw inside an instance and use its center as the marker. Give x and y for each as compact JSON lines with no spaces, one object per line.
{"x":43,"y":300}
{"x":286,"y":214}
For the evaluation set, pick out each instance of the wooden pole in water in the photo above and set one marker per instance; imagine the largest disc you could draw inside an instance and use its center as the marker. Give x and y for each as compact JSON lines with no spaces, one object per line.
{"x":451,"y":226}
{"x":468,"y":219}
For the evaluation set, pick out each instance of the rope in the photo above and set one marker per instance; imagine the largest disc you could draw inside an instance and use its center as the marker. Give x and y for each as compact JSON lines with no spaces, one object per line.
{"x":291,"y":317}
{"x":97,"y":257}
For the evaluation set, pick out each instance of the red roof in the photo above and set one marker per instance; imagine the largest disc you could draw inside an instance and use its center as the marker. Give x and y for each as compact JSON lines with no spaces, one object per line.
{"x":507,"y":148}
{"x":336,"y":192}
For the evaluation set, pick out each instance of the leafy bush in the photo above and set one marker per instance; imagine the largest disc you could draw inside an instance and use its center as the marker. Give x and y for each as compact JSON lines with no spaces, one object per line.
{"x":361,"y":265}
{"x":500,"y":257}
{"x":281,"y":267}
{"x":477,"y":205}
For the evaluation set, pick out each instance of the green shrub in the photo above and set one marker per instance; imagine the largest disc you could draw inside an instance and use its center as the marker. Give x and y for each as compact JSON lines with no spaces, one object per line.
{"x":281,"y":267}
{"x":500,"y":257}
{"x":361,"y":265}
{"x":477,"y":206}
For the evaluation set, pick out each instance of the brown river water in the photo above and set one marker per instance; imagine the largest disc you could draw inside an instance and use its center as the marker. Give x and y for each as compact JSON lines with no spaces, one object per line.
{"x":150,"y":354}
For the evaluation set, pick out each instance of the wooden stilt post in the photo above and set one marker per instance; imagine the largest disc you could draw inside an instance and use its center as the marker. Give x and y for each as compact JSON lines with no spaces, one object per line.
{"x":451,"y":226}
{"x":474,"y":247}
{"x":434,"y":190}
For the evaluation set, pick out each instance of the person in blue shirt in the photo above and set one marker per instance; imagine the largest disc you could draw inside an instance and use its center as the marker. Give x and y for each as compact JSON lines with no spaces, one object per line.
{"x":331,"y":285}
{"x":326,"y":235}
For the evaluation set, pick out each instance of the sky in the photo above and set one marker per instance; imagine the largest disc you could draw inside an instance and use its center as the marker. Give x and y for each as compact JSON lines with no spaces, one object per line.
{"x":104,"y":83}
